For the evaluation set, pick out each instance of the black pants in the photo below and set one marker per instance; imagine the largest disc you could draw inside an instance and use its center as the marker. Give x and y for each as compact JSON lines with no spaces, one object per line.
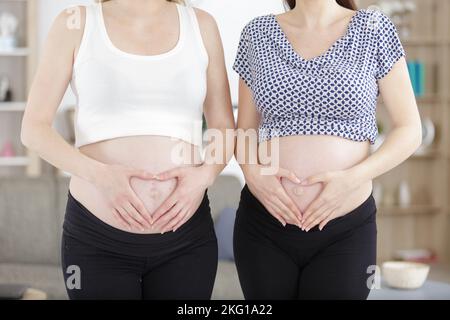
{"x":286,"y":263}
{"x":102,"y":262}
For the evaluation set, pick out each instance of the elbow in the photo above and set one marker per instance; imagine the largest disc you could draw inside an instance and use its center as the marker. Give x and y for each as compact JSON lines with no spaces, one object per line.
{"x":419,"y":140}
{"x":27,"y":137}
{"x":418,"y":134}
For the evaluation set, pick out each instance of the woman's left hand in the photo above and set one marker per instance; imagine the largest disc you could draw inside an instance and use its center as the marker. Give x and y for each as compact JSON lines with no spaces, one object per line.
{"x":181,"y":205}
{"x":329,"y":205}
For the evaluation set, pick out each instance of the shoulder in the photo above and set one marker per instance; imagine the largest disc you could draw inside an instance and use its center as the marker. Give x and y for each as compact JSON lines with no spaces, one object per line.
{"x":208,"y":25}
{"x":68,"y":26}
{"x":258,"y":25}
{"x":208,"y":28}
{"x":205,"y":19}
{"x":374,"y":21}
{"x":71,"y":17}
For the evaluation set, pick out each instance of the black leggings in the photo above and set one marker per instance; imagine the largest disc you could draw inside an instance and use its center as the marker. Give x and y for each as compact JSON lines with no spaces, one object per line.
{"x":286,"y":263}
{"x":114,"y":264}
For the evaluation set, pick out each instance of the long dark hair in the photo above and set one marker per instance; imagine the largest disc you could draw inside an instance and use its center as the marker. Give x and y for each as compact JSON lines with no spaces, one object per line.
{"x":349,"y":4}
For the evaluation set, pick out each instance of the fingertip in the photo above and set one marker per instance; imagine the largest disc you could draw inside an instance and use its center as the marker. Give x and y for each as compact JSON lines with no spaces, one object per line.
{"x":295,"y":179}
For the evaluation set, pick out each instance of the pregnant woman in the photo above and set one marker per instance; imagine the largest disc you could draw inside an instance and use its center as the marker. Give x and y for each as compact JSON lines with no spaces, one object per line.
{"x":310,"y":79}
{"x":138,"y":223}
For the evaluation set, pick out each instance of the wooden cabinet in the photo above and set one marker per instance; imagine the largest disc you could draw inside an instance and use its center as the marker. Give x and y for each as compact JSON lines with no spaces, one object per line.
{"x":425,"y":223}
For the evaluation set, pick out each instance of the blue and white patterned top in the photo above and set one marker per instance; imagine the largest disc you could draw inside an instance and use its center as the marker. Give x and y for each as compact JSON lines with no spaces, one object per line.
{"x":333,"y":94}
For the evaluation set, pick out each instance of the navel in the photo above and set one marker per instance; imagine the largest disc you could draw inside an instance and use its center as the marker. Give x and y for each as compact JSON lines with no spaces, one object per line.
{"x":299,"y":191}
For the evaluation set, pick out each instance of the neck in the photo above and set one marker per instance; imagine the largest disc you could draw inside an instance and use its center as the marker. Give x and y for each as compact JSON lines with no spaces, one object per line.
{"x":314,"y":13}
{"x":142,"y":7}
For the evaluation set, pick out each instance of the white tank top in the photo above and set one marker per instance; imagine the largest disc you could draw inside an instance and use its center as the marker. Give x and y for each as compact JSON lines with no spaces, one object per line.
{"x":120,"y":94}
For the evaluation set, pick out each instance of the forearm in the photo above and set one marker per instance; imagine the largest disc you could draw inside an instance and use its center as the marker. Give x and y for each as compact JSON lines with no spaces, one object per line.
{"x":51,"y":147}
{"x":399,"y":145}
{"x":218,"y":153}
{"x":246,"y":151}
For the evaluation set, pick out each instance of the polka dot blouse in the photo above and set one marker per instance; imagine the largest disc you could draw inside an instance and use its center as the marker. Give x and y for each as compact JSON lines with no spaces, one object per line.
{"x":333,"y":94}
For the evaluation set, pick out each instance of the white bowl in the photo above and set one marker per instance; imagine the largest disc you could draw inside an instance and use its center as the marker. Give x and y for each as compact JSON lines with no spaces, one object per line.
{"x":405,"y":275}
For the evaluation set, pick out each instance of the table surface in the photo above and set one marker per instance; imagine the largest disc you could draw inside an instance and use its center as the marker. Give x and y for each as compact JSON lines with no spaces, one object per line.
{"x":431,"y":290}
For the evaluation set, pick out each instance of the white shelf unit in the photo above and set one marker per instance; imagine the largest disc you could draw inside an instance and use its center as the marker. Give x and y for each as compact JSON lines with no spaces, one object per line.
{"x":12,"y":106}
{"x":14,"y":161}
{"x":18,"y":64}
{"x":16,"y":52}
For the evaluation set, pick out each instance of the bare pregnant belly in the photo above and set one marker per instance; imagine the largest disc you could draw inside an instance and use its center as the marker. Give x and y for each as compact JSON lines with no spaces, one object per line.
{"x":310,"y":155}
{"x":154,"y":154}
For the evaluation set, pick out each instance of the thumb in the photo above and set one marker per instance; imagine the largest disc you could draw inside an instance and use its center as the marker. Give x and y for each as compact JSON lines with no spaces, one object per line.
{"x":283,"y":173}
{"x":171,"y":174}
{"x":315,"y":179}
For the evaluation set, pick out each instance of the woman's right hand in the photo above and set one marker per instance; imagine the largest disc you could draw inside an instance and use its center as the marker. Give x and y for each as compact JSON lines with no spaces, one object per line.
{"x":114,"y":182}
{"x":270,"y":192}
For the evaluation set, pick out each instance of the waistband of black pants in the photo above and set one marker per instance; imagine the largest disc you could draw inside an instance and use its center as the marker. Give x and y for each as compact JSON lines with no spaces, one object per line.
{"x":84,"y":226}
{"x":253,"y":207}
